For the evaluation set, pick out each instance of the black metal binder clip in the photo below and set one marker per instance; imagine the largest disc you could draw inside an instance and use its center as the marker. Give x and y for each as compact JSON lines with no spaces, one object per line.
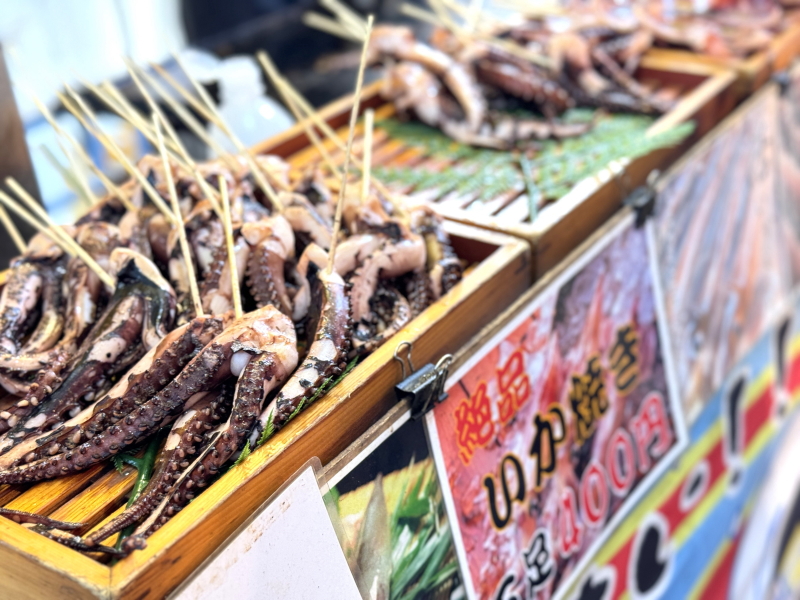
{"x":784,"y":81}
{"x":423,"y":388}
{"x":643,"y":199}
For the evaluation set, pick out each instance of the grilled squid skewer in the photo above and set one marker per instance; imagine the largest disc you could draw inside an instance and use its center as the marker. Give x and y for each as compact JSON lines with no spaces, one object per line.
{"x":148,"y":377}
{"x":265,"y":331}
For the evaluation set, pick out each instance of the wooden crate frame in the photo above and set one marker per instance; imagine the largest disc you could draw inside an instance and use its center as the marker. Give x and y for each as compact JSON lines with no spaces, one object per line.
{"x":565,"y":223}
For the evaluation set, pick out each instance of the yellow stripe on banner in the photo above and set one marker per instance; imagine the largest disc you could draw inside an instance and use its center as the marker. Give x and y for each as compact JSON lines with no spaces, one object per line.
{"x":698,"y":515}
{"x":794,"y":347}
{"x":761,"y":439}
{"x":713,"y":565}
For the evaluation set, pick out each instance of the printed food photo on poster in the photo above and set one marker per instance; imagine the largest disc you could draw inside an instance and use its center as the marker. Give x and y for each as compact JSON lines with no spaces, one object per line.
{"x":556,"y":426}
{"x":727,"y":245}
{"x":394,"y":530}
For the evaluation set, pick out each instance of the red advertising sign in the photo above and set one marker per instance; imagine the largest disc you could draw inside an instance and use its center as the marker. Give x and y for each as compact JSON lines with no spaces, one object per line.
{"x":556,"y":426}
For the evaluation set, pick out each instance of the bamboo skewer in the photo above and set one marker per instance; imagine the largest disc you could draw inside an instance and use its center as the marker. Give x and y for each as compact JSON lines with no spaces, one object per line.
{"x":35,"y":209}
{"x":191,"y":165}
{"x":173,"y":196}
{"x":293,"y":105}
{"x":171,"y":142}
{"x":347,"y":16}
{"x":114,"y":150}
{"x":35,"y":223}
{"x":473,"y":16}
{"x":67,"y":241}
{"x":259,"y":175}
{"x":441,"y":17}
{"x":328,"y":25}
{"x":12,"y":230}
{"x":184,"y":93}
{"x":286,"y":87}
{"x":311,"y":133}
{"x":337,"y":223}
{"x":369,"y":119}
{"x":188,"y":119}
{"x":228,"y":226}
{"x":82,"y":183}
{"x":119,"y":104}
{"x":111,"y":188}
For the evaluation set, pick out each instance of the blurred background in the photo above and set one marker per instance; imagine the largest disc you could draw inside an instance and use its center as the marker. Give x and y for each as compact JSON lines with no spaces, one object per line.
{"x":47,"y":43}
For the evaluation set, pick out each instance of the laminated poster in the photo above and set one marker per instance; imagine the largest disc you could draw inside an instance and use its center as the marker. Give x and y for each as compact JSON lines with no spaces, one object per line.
{"x":555,"y":427}
{"x":725,"y":522}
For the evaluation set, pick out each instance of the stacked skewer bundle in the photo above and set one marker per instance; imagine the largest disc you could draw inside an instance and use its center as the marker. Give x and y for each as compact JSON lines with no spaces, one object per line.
{"x":135,"y":320}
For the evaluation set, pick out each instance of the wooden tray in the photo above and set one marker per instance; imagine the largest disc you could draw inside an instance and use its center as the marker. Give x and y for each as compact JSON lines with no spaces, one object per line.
{"x":560,"y":226}
{"x":32,"y":566}
{"x":751,"y":72}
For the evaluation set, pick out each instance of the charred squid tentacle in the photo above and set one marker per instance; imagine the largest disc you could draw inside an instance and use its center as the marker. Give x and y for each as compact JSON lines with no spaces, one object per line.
{"x":395,"y":312}
{"x":212,"y":280}
{"x":184,"y":439}
{"x":19,"y":516}
{"x":261,"y":375}
{"x":326,"y":356}
{"x":216,"y":293}
{"x":142,"y":308}
{"x":47,"y":380}
{"x":271,"y":242}
{"x":207,"y":370}
{"x":262,"y":265}
{"x":116,"y":334}
{"x":20,"y":296}
{"x":153,"y":372}
{"x":627,"y":82}
{"x":76,"y":542}
{"x":394,"y":259}
{"x":51,"y":323}
{"x":418,"y":291}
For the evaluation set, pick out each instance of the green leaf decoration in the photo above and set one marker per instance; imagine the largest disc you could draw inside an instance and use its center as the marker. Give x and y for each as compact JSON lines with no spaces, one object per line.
{"x":326,"y":386}
{"x":269,"y":429}
{"x":480,"y":174}
{"x":144,"y":469}
{"x":246,"y":451}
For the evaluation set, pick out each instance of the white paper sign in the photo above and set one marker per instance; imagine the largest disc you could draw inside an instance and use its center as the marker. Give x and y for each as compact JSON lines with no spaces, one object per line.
{"x":289,"y":549}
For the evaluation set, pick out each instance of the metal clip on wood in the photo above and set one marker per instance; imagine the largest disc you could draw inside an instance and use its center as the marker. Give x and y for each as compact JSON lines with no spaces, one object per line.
{"x":784,"y":81}
{"x":643,"y":199}
{"x":423,"y":388}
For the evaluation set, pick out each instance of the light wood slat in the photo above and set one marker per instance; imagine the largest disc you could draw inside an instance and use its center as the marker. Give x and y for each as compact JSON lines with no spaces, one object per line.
{"x":491,"y":207}
{"x":9,"y":492}
{"x":46,"y":496}
{"x":518,"y":210}
{"x":97,"y":501}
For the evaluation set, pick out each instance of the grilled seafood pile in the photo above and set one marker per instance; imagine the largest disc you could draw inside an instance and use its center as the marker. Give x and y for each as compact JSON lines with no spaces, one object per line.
{"x":467,"y":84}
{"x":93,"y":372}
